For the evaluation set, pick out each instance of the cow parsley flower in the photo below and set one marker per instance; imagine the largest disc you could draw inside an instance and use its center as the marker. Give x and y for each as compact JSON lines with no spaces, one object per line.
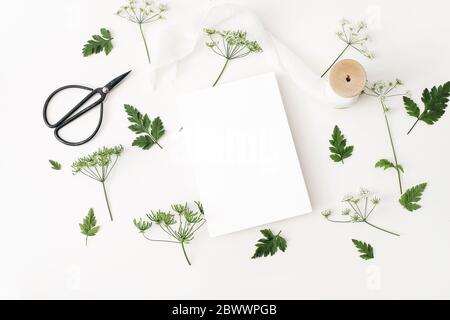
{"x":181,"y":225}
{"x":230,"y":45}
{"x":355,"y":36}
{"x":358,"y":211}
{"x":143,"y":12}
{"x":98,"y":166}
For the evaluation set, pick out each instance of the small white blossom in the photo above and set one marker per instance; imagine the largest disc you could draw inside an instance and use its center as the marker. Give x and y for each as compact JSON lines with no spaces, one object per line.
{"x":363,"y":193}
{"x":326,"y":213}
{"x":348,"y":197}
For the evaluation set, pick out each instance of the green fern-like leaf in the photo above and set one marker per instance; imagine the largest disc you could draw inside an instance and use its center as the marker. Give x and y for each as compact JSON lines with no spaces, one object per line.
{"x":339,"y":149}
{"x":435,"y":102}
{"x":89,"y":226}
{"x":411,"y":107}
{"x":270,"y":244}
{"x":365,"y":249}
{"x":386,"y":164}
{"x":409,"y":200}
{"x":55,"y":165}
{"x":149,"y":131}
{"x":99,"y":43}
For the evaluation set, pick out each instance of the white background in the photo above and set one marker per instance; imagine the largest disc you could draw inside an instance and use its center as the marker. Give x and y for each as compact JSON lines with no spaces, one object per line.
{"x":43,"y":253}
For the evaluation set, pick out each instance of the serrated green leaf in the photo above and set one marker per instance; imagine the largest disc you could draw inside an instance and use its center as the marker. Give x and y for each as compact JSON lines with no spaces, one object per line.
{"x":55,"y":165}
{"x":270,"y":244}
{"x":282,"y":244}
{"x":157,"y":128}
{"x":365,"y":249}
{"x":108,"y":48}
{"x":92,"y":232}
{"x":89,"y":226}
{"x":140,"y":123}
{"x":268,"y":234}
{"x":339,"y":149}
{"x":409,"y":200}
{"x":99,"y":43}
{"x":435,"y":102}
{"x":150,"y":131}
{"x":335,"y":157}
{"x":411,"y":107}
{"x":143,"y":142}
{"x":385,"y":164}
{"x":146,"y":123}
{"x":106,"y":34}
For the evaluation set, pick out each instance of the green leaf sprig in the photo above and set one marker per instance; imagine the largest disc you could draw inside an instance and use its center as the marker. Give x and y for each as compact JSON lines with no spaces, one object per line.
{"x":142,"y":12}
{"x":386,"y":164}
{"x":270,"y":244}
{"x":365,"y":249}
{"x":383,"y":91}
{"x":360,"y":208}
{"x":354,"y":36}
{"x":89,"y":226}
{"x":230,"y":45}
{"x":339,"y":149}
{"x":99,"y":43}
{"x":98,"y":166}
{"x":149,"y":131}
{"x":435,"y":102}
{"x":182,"y":230}
{"x":55,"y":165}
{"x":409,"y":200}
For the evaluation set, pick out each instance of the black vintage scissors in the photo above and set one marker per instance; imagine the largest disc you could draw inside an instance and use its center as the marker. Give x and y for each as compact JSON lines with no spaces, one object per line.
{"x":72,"y":115}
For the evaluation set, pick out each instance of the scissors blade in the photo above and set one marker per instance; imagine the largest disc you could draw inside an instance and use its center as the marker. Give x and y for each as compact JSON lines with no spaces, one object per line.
{"x":116,"y":81}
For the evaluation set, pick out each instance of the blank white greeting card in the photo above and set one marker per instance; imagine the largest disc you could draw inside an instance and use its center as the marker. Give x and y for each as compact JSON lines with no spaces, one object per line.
{"x":243,"y":154}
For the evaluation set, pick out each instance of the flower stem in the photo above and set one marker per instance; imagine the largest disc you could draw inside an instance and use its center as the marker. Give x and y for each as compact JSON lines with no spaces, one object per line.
{"x":221,"y":73}
{"x":185,"y":254}
{"x":393,"y":147}
{"x":415,"y":123}
{"x":107,"y":201}
{"x":374,"y":226}
{"x":87,"y":240}
{"x":336,"y":60}
{"x":154,"y":240}
{"x":145,"y":43}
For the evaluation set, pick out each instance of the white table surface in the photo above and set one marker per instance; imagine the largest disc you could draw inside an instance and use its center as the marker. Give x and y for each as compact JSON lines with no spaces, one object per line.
{"x":43,"y":253}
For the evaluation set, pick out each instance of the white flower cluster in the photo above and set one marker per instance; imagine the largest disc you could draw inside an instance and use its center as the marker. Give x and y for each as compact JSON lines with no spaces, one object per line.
{"x":355,"y":36}
{"x":384,"y":90}
{"x":142,"y":11}
{"x":234,"y":44}
{"x":355,"y":198}
{"x":355,"y":213}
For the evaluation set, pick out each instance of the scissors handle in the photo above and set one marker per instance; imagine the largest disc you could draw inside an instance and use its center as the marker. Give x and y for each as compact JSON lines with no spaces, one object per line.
{"x":79,"y":143}
{"x":72,"y":115}
{"x":68,"y":116}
